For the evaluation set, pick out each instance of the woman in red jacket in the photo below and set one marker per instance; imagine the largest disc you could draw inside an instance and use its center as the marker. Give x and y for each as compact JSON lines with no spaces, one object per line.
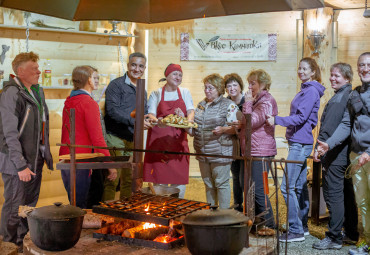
{"x":88,"y":129}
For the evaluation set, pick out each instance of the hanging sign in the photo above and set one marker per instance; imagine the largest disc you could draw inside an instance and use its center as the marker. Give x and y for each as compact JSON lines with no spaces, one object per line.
{"x":207,"y":47}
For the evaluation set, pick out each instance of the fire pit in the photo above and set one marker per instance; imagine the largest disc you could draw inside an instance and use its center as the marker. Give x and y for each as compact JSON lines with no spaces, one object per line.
{"x":149,"y":220}
{"x":150,"y":208}
{"x":143,"y":234}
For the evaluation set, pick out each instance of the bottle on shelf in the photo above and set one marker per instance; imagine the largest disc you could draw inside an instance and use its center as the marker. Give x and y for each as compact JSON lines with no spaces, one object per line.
{"x":46,"y":74}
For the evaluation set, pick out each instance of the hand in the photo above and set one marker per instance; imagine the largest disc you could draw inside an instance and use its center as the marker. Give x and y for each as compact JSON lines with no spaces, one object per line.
{"x":147,"y":123}
{"x":248,"y":95}
{"x":218,"y":131}
{"x":322,"y":148}
{"x":25,"y":175}
{"x":237,"y":124}
{"x":270,"y":120}
{"x":112,"y":174}
{"x":161,"y":123}
{"x":316,"y":156}
{"x":179,"y":112}
{"x":364,"y":158}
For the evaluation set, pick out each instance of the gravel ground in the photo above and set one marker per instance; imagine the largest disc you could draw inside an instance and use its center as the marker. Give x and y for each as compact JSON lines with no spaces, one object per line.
{"x":304,"y":248}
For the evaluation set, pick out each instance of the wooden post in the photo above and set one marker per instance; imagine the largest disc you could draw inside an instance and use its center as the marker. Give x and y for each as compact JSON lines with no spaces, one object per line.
{"x":247,"y":166}
{"x":72,"y":151}
{"x":137,"y":169}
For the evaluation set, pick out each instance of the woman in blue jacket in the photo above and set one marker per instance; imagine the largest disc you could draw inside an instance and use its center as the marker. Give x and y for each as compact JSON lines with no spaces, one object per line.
{"x":300,"y":122}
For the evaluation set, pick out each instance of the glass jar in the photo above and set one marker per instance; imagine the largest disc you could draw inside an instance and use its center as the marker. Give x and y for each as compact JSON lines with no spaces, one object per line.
{"x":67,"y":79}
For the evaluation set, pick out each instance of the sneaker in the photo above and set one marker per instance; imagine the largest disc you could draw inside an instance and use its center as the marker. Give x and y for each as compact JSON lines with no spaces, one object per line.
{"x":306,"y":232}
{"x":292,"y":237}
{"x":360,"y":250}
{"x":326,"y":244}
{"x":348,"y":240}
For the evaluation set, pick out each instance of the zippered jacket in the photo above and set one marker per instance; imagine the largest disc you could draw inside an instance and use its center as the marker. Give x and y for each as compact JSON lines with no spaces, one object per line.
{"x":263,"y":135}
{"x":88,"y":129}
{"x":330,"y":120}
{"x":120,"y":101}
{"x":359,"y":130}
{"x":21,"y":129}
{"x":303,"y":113}
{"x":208,"y":118}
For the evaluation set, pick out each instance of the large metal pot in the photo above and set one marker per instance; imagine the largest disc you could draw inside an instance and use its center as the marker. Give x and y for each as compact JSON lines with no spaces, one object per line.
{"x":56,"y":227}
{"x":215,"y":231}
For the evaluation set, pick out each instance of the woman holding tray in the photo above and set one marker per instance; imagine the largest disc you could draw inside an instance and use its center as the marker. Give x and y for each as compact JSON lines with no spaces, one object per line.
{"x":160,"y":168}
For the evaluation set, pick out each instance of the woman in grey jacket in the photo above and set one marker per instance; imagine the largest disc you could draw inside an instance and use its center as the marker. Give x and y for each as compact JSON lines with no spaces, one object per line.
{"x":214,"y":136}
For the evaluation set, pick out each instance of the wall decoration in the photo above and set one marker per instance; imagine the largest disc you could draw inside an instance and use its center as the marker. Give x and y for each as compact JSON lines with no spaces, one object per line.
{"x":207,"y":47}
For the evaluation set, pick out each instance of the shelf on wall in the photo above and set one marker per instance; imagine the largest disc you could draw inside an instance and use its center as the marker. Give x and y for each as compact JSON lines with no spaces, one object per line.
{"x":57,"y":87}
{"x":61,"y":35}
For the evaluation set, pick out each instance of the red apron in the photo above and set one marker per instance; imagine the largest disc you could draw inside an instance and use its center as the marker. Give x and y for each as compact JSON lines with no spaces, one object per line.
{"x":167,"y":168}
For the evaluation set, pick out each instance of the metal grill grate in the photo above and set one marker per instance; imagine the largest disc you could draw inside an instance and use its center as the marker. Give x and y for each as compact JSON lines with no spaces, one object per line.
{"x":149,"y":208}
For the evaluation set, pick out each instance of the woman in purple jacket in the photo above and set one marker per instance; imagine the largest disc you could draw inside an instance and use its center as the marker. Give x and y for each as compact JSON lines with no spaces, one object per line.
{"x":260,"y":103}
{"x":302,"y":119}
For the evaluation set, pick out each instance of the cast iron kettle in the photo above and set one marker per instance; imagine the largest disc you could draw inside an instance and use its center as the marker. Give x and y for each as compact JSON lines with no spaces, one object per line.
{"x":55,"y":227}
{"x":215,"y":231}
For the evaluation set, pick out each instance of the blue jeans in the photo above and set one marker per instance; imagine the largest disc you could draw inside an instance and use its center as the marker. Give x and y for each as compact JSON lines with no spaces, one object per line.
{"x":297,"y":178}
{"x":82,"y":185}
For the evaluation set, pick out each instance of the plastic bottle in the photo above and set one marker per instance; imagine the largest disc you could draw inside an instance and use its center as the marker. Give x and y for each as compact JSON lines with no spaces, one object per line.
{"x":46,"y":74}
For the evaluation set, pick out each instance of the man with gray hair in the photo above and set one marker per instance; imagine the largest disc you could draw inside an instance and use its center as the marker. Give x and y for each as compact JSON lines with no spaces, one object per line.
{"x":120,"y":101}
{"x":24,"y":146}
{"x":356,"y":122}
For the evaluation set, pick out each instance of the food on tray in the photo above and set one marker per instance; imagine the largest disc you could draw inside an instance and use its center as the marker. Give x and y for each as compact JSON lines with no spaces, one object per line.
{"x":178,"y":121}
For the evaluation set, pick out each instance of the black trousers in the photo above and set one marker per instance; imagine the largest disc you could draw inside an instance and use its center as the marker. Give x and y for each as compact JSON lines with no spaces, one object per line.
{"x":340,"y":200}
{"x":16,"y":193}
{"x":96,"y":189}
{"x":237,"y":166}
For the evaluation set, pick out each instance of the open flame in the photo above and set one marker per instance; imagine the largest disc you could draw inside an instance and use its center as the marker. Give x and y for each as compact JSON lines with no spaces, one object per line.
{"x":148,"y":225}
{"x":164,"y":238}
{"x":147,"y":208}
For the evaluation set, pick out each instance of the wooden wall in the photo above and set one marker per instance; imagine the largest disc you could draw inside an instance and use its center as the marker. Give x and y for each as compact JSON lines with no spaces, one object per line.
{"x":353,"y":38}
{"x":65,"y":51}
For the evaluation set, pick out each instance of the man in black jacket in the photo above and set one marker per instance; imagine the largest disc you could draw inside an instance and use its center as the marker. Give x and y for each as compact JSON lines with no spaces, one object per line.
{"x":338,"y":191}
{"x":120,"y":101}
{"x":24,"y":144}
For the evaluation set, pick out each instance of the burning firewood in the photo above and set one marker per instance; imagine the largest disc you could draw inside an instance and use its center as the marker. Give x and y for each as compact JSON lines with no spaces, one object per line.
{"x":150,"y":233}
{"x":131,"y":232}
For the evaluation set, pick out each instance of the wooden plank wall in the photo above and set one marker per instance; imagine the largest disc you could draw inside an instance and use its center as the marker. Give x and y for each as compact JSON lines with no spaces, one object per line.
{"x":64,"y":57}
{"x":353,"y":38}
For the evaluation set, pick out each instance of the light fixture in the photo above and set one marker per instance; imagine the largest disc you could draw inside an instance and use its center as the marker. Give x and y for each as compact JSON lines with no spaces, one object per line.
{"x":316,"y":25}
{"x":366,"y":12}
{"x":316,"y":38}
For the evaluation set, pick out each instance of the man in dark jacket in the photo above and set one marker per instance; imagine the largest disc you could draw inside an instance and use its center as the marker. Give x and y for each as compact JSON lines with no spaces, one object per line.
{"x":356,"y":122}
{"x":120,"y":101}
{"x":338,"y":191}
{"x":24,"y":144}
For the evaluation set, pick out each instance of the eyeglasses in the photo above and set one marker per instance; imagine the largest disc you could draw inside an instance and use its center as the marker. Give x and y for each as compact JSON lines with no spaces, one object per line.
{"x":209,"y":88}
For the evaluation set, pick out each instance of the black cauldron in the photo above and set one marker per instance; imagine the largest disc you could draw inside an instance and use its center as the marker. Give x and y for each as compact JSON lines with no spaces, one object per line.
{"x":215,"y":231}
{"x":56,"y":227}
